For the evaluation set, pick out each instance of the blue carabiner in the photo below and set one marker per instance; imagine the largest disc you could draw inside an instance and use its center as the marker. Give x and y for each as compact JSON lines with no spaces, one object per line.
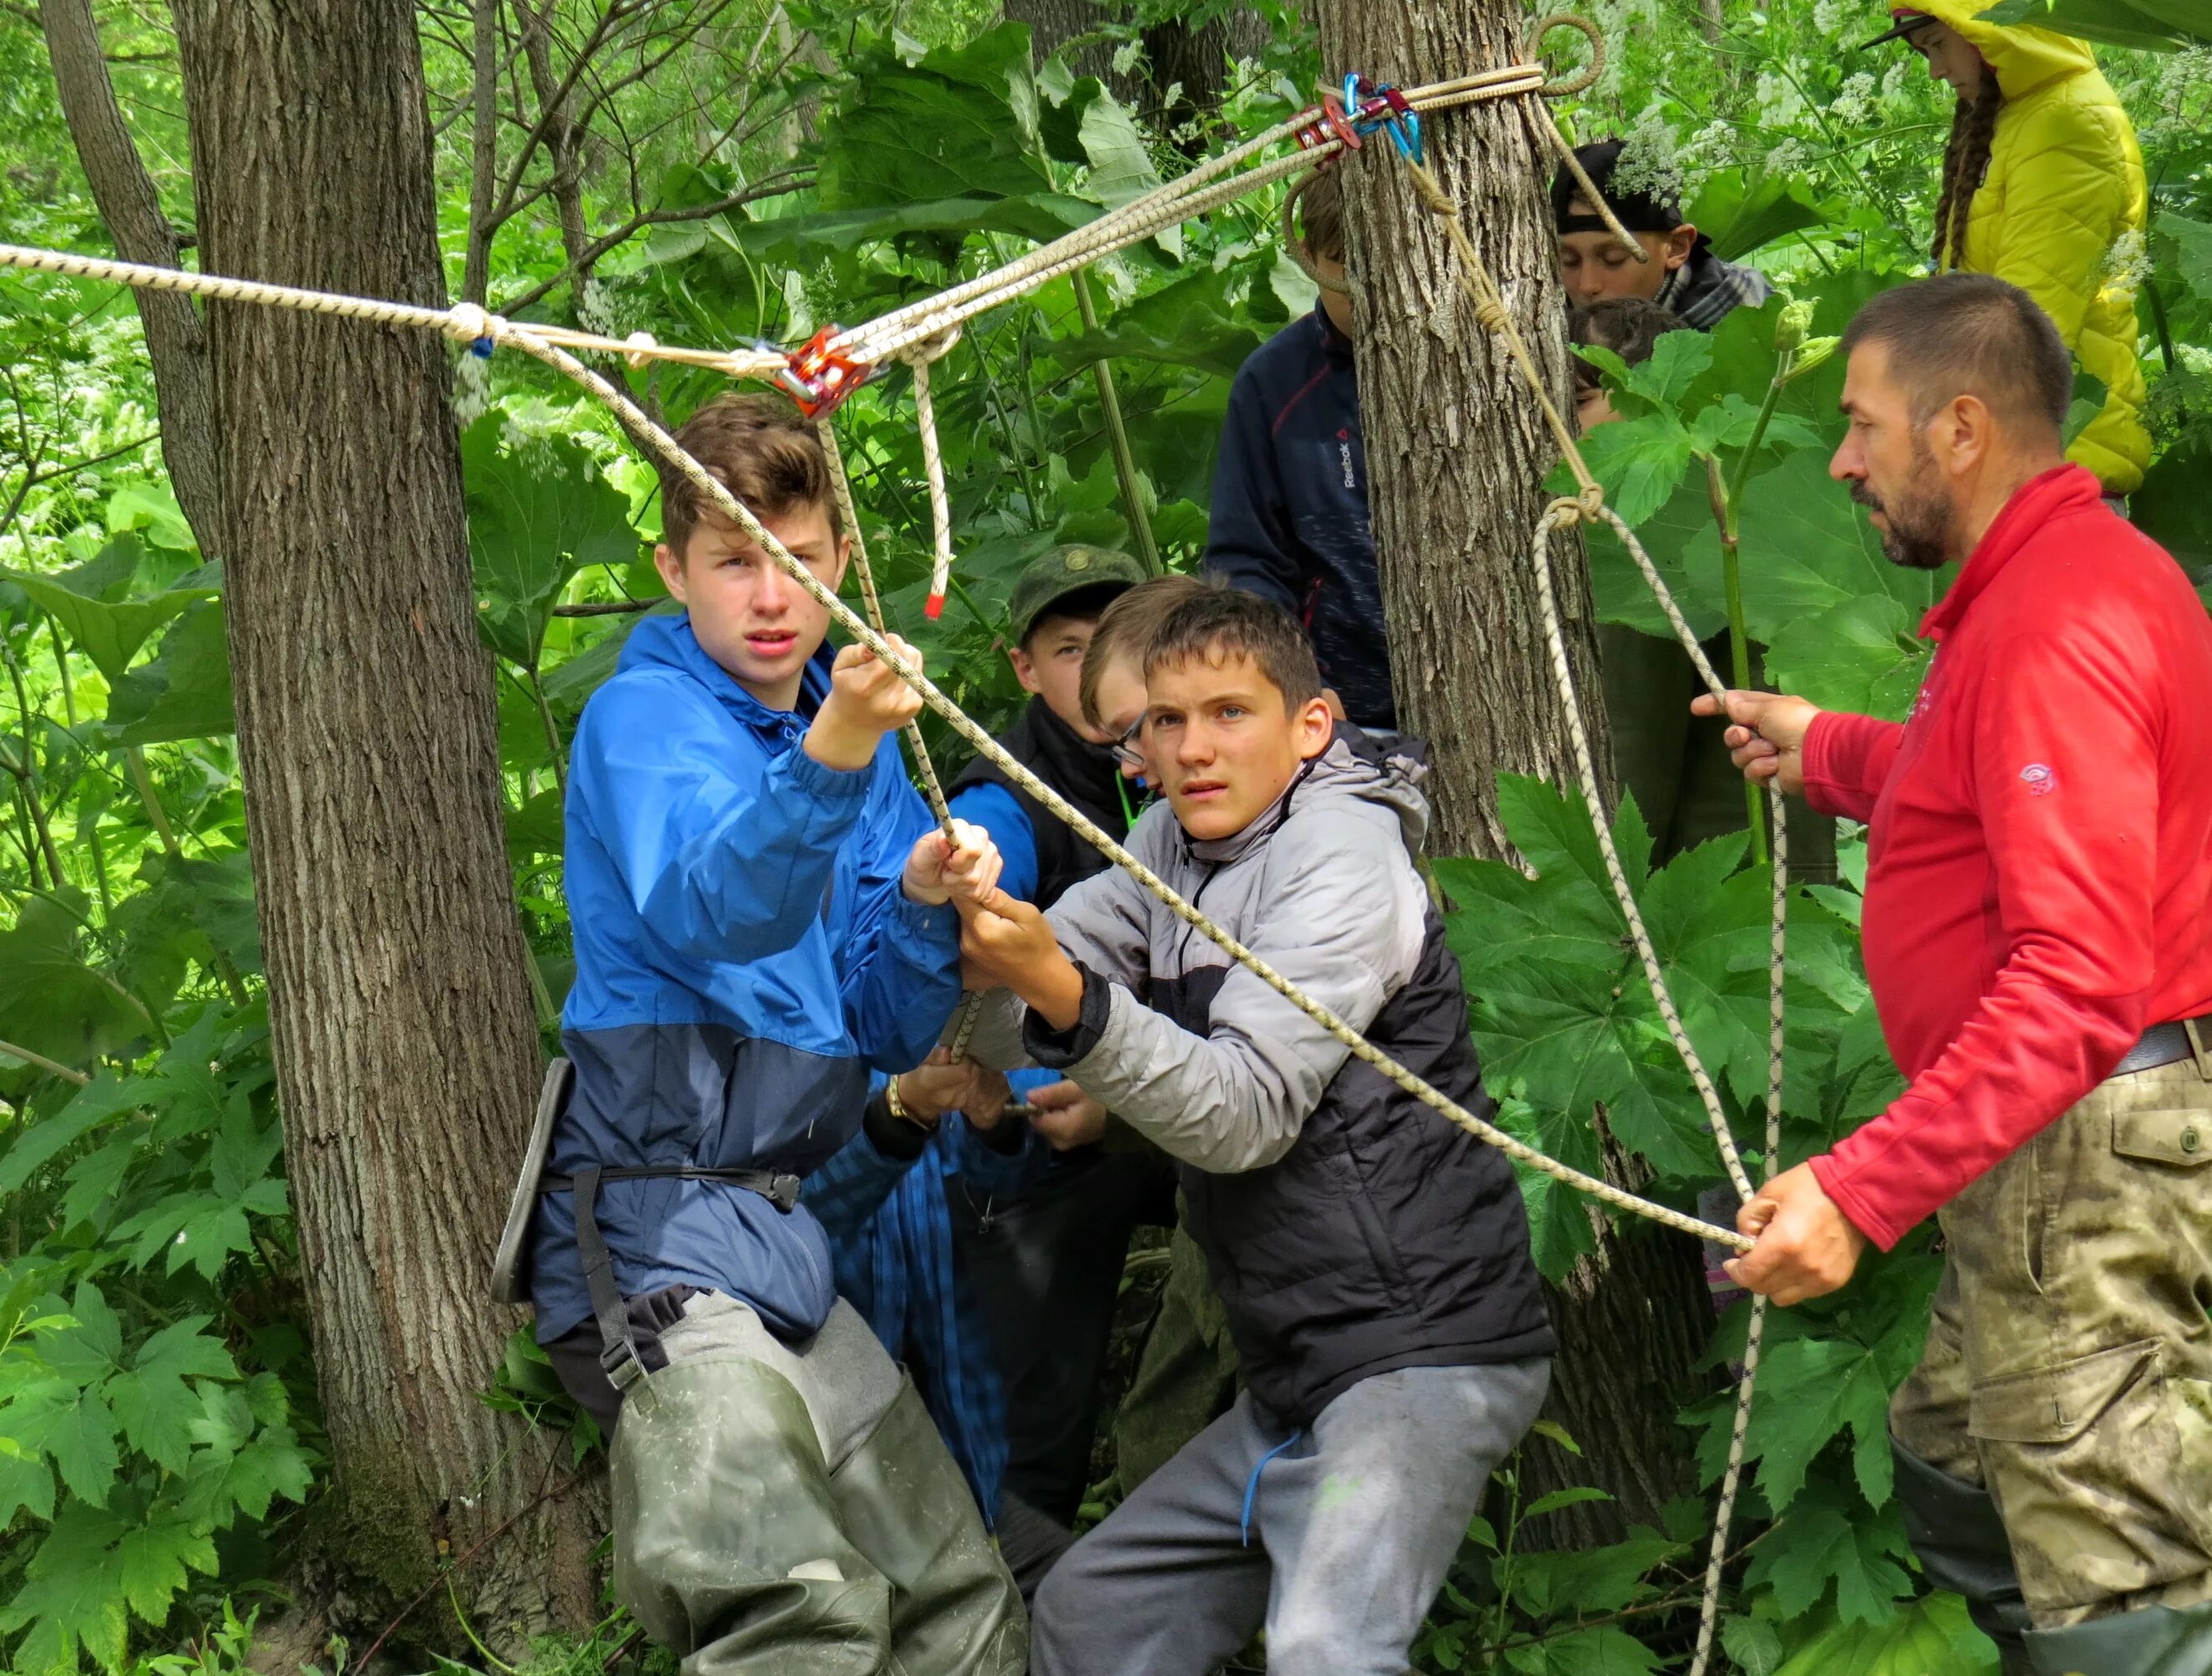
{"x":1404,"y":124}
{"x":1405,"y":128}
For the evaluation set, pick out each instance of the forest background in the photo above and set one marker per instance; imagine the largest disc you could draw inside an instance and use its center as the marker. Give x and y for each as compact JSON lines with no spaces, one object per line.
{"x":716,"y":172}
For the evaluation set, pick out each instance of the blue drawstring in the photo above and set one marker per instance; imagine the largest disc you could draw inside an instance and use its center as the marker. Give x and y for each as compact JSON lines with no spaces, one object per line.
{"x":1252,"y":1488}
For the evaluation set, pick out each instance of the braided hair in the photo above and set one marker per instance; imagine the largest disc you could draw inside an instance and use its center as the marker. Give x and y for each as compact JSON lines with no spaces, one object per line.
{"x":1966,"y":164}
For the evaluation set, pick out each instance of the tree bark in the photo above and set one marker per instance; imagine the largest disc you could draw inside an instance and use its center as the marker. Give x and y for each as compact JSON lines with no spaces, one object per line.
{"x":1457,"y":451}
{"x":124,"y":193}
{"x":406,"y":1052}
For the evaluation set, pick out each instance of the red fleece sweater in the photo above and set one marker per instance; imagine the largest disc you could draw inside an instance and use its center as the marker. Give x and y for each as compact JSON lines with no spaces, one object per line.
{"x":2039,"y":873}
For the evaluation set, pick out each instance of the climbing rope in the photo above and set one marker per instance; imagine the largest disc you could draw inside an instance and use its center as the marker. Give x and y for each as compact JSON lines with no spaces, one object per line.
{"x":826,"y":370}
{"x":643,"y":428}
{"x":1490,"y":309}
{"x":932,"y":788}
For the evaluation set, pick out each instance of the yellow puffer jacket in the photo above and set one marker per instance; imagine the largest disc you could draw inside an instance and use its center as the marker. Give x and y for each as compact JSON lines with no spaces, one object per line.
{"x":2065,"y":183}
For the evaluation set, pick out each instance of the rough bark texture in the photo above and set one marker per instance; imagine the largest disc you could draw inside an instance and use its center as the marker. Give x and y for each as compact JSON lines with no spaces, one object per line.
{"x":1456,"y":450}
{"x":406,"y":1054}
{"x":128,"y":202}
{"x":1193,"y":61}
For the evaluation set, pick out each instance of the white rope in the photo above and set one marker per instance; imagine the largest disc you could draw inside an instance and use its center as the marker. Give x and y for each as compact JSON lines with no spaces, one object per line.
{"x":1560,"y":514}
{"x":933,"y":468}
{"x":525,"y":339}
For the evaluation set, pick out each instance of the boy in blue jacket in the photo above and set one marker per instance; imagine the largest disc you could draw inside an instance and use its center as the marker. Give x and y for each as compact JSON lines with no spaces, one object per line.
{"x":761,"y":909}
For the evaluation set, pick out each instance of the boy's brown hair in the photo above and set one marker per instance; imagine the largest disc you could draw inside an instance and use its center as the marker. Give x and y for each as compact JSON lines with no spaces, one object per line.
{"x":1215,"y":623}
{"x":762,"y":450}
{"x":1125,"y":629}
{"x":1321,"y":215}
{"x":1629,"y":326}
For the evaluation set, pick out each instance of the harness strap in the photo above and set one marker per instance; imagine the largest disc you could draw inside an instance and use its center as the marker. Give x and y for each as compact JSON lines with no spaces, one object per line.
{"x":618,"y":1355}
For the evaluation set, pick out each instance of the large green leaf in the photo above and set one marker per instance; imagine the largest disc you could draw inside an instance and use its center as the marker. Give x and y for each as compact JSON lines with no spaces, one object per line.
{"x":52,"y":1000}
{"x":1933,"y":1637}
{"x":1121,"y":167}
{"x":538,"y":514}
{"x":1824,"y":1541}
{"x":2153,"y":26}
{"x":2171,"y":507}
{"x":1859,"y":654}
{"x":110,"y":633}
{"x":183,"y":691}
{"x":1806,"y":548}
{"x":106,"y":1097}
{"x":1741,"y":210}
{"x":1193,"y":322}
{"x":2192,"y":242}
{"x":1040,"y":216}
{"x":1618,"y":589}
{"x":960,"y":123}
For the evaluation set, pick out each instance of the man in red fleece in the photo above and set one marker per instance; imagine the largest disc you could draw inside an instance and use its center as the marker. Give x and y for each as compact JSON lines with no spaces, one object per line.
{"x":2038,"y":937}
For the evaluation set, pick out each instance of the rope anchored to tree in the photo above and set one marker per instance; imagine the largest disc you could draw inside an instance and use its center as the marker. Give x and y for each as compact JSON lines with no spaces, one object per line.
{"x":825,"y":371}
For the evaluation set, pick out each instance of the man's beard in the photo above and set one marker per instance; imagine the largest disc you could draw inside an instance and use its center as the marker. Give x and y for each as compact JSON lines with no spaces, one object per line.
{"x":1919,"y":517}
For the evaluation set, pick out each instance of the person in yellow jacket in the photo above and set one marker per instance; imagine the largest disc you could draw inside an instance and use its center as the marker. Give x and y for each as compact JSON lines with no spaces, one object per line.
{"x":2041,"y":180}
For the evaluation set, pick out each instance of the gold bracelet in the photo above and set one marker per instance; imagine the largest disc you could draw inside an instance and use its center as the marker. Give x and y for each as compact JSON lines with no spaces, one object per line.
{"x":897,"y":1106}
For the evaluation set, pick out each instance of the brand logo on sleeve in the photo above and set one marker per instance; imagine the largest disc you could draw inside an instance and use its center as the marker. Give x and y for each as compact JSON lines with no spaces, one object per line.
{"x":2040,"y":779}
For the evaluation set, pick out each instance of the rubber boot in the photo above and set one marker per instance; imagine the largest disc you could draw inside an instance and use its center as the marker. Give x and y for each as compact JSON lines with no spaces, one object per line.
{"x":1961,"y":1540}
{"x":954,"y":1608}
{"x":728,"y":1534}
{"x":2155,"y":1641}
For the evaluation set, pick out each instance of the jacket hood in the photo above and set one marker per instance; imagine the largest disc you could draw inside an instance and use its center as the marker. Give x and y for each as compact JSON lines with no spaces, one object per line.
{"x":667,"y":642}
{"x":2024,"y":59}
{"x":1354,"y":775}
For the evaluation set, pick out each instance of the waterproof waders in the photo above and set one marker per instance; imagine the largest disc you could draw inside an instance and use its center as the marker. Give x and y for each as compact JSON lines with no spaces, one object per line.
{"x":2054,"y":1446}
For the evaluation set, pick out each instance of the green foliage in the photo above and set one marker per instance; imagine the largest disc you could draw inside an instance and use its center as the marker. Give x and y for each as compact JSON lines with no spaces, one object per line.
{"x":155,"y":1404}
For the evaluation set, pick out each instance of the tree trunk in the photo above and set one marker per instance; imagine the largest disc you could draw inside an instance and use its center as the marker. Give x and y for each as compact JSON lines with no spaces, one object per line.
{"x":124,"y":193}
{"x":1054,"y":23}
{"x":406,"y":1053}
{"x":1457,"y":451}
{"x":1191,"y":60}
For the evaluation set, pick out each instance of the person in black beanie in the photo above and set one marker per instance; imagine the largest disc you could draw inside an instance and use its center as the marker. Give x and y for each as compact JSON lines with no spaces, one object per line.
{"x":1682,"y":275}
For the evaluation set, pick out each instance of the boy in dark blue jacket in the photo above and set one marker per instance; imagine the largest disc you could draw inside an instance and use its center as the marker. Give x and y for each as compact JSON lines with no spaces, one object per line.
{"x":761,"y":915}
{"x":1290,"y":489}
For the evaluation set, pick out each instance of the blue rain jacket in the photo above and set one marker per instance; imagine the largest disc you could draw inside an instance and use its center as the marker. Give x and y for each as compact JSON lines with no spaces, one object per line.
{"x":744,"y":956}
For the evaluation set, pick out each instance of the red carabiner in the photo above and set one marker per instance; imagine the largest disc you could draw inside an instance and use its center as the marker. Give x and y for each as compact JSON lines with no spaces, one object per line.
{"x":818,"y":377}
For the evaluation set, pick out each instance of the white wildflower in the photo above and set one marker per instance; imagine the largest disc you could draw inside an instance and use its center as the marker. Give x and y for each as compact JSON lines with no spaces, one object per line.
{"x":1649,"y":163}
{"x":2127,"y":264}
{"x":1788,"y":158}
{"x":471,"y":389}
{"x":1853,"y":106}
{"x":1777,"y":100}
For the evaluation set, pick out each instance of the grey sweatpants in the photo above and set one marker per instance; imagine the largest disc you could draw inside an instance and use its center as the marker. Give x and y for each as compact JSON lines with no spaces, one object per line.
{"x":1352,"y":1524}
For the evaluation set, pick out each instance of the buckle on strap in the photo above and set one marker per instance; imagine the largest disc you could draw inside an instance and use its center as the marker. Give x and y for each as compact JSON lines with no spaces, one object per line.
{"x":780,"y":1191}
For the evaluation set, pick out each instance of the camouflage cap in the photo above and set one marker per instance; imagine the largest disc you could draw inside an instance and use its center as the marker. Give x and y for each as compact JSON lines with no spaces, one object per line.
{"x":1072,"y":569}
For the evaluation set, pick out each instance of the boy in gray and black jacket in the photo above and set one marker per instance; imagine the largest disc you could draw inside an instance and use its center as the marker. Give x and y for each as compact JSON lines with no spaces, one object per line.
{"x":1373,"y":1259}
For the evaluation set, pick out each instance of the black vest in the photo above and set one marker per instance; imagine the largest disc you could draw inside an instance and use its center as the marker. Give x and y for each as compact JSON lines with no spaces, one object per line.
{"x":1085,"y":774}
{"x":1386,"y":1237}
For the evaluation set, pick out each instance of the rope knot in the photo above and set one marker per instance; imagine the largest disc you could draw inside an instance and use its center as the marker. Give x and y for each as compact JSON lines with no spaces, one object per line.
{"x":1492,"y":316}
{"x":1569,"y":510}
{"x":931,"y":349}
{"x":469,"y":323}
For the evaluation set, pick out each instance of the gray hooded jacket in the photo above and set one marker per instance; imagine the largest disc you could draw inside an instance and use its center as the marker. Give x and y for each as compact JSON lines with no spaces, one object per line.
{"x":1349,"y":1229}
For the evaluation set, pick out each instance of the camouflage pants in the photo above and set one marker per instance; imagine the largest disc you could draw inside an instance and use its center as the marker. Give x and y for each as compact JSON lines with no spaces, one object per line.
{"x":2068,"y":1368}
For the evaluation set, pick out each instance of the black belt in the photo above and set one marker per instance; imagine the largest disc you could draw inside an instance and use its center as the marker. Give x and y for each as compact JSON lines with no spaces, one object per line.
{"x":2165,"y":1044}
{"x":618,"y":1355}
